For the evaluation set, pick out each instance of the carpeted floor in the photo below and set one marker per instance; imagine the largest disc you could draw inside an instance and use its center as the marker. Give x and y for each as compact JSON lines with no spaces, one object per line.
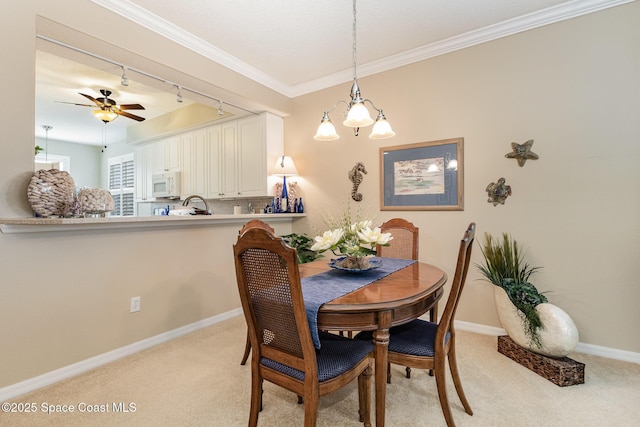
{"x":197,"y":380}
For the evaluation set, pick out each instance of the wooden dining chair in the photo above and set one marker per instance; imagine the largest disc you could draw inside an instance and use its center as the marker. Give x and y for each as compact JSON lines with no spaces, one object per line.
{"x":282,"y":348}
{"x":405,"y":245}
{"x":405,"y":239}
{"x":254,"y":223}
{"x":427,"y":345}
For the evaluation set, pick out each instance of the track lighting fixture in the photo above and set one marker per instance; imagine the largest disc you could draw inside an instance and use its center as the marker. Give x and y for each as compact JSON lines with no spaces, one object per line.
{"x":357,"y":114}
{"x":220,"y":110}
{"x":124,"y":81}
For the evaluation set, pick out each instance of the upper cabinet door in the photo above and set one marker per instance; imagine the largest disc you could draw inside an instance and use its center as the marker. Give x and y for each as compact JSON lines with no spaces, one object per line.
{"x":252,"y":161}
{"x":212,"y":162}
{"x":167,"y":155}
{"x":229,"y":160}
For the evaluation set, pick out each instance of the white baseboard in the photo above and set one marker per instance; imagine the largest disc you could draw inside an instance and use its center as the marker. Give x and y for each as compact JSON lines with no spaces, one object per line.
{"x":609,"y":353}
{"x":40,"y":381}
{"x":595,"y":350}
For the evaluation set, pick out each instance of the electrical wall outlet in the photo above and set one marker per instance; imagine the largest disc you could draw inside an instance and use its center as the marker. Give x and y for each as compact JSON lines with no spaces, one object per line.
{"x":135,"y":304}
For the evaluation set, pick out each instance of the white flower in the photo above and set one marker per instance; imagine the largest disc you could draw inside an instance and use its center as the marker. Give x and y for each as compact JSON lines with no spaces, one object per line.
{"x":356,"y":239}
{"x":375,"y":236}
{"x":328,"y":239}
{"x":360,"y":225}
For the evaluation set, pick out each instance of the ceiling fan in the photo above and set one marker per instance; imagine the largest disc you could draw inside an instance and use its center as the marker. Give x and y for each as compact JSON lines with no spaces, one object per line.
{"x":108,"y":110}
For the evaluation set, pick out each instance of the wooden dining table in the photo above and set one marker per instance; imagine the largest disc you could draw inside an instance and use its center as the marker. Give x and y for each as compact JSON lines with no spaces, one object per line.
{"x":398,"y":298}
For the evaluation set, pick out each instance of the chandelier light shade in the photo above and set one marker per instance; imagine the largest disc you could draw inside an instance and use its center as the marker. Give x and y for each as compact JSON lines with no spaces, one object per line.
{"x":326,"y":130}
{"x":105,"y":115}
{"x":381,"y":128}
{"x":357,"y":113}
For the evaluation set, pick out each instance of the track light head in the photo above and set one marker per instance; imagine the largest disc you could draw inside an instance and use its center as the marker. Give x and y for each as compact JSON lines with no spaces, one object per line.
{"x":124,"y":81}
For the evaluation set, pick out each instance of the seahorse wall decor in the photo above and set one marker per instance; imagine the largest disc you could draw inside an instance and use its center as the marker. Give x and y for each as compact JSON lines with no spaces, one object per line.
{"x":355,"y":176}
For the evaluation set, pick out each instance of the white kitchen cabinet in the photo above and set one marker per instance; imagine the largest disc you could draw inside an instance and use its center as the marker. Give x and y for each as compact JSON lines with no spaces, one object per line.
{"x":251,"y":154}
{"x":260,"y":143}
{"x":213,"y":160}
{"x":246,"y":149}
{"x":194,"y":163}
{"x":167,"y":155}
{"x":223,"y":161}
{"x":143,"y":160}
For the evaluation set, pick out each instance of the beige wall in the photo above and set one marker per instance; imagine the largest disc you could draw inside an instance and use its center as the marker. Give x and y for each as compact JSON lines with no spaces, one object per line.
{"x":64,"y":297}
{"x":572,"y":87}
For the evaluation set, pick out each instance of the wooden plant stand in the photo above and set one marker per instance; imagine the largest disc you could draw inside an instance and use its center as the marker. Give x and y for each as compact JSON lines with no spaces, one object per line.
{"x":562,"y":372}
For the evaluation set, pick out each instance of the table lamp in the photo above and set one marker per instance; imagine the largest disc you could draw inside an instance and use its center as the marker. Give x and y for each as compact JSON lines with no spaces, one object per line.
{"x":284,"y":167}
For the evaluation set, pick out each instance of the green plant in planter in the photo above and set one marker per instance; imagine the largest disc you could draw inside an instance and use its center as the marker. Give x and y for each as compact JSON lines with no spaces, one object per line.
{"x":302,"y":243}
{"x":505,"y":267}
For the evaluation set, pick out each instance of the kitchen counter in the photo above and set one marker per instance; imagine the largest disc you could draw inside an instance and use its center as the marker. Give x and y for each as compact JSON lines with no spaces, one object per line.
{"x":42,"y":225}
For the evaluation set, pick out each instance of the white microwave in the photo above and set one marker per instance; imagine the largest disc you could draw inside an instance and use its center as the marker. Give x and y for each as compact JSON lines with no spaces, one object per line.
{"x":166,"y":185}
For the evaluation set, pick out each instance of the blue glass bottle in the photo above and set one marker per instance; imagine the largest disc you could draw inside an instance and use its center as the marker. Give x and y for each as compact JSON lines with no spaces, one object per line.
{"x":300,"y":206}
{"x":284,"y":198}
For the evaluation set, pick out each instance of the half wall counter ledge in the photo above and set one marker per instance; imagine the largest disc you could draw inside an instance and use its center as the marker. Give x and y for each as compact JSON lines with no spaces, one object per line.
{"x":46,"y":225}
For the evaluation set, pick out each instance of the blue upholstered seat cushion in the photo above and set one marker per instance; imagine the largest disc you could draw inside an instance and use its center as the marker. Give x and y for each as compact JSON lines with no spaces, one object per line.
{"x":335,"y":356}
{"x":416,"y":338}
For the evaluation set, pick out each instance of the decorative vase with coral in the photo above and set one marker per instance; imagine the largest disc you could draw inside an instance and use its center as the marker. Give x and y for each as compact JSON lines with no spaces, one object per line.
{"x":530,"y":321}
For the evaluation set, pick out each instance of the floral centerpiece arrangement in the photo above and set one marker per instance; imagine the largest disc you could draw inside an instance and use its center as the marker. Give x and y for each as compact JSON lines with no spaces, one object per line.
{"x":353,"y":240}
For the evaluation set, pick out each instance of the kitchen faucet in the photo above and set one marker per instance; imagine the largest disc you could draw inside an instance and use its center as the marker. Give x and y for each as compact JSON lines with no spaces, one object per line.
{"x":206,"y":205}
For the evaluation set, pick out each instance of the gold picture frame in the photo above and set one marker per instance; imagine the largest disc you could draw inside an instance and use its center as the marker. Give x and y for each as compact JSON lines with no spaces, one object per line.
{"x":423,"y":176}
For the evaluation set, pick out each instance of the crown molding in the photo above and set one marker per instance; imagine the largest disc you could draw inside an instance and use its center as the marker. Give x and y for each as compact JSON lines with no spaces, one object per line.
{"x":564,"y":11}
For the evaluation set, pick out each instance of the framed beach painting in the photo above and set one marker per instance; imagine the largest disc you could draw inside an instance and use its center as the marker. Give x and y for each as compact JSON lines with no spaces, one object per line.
{"x":422,"y":176}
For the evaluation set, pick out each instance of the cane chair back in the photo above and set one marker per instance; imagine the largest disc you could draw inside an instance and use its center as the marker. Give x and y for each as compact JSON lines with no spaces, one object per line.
{"x":283,"y":351}
{"x":254,"y":223}
{"x":405,"y":239}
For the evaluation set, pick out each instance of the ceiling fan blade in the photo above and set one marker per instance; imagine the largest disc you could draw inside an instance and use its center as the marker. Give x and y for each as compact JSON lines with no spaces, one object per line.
{"x":131,"y":107}
{"x":73,"y":103}
{"x":129,"y":115}
{"x":91,"y":98}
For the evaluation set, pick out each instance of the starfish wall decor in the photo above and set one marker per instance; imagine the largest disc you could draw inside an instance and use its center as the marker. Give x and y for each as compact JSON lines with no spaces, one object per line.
{"x":522,"y":152}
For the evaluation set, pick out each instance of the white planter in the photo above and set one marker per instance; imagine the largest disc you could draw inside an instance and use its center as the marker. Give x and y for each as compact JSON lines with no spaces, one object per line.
{"x":559,"y":336}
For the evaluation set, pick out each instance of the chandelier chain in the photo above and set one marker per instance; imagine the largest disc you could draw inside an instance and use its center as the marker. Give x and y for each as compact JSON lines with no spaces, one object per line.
{"x":355,"y":46}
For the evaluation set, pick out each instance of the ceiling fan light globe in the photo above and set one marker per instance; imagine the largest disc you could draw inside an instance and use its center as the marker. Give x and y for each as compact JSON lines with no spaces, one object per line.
{"x":105,"y":115}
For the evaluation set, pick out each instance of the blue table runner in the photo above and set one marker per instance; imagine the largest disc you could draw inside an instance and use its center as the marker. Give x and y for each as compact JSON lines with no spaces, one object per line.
{"x":329,"y":285}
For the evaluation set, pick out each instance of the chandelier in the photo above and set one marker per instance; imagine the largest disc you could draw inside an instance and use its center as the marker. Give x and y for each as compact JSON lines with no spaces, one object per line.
{"x":357,"y":113}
